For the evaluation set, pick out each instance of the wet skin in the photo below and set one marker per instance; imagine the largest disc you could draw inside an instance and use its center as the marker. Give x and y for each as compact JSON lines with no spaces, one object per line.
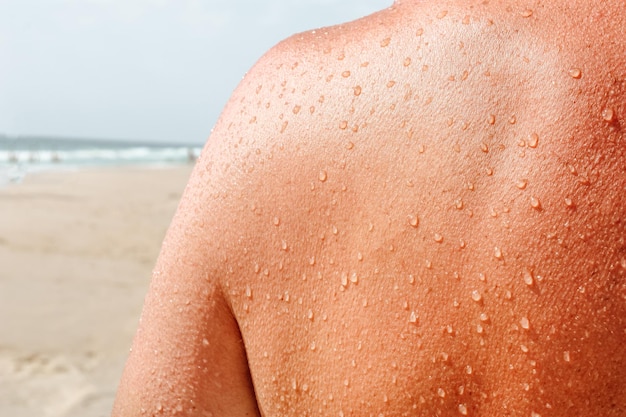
{"x":419,"y":213}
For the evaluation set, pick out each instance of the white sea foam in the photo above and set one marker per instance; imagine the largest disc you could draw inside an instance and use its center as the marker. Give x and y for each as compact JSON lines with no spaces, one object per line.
{"x":24,"y":155}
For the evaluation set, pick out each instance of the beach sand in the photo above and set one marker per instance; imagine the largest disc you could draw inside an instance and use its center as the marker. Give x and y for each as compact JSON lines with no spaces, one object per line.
{"x":76,"y":253}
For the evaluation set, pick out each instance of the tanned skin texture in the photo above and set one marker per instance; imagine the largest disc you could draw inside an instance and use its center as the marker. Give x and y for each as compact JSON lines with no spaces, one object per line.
{"x":419,"y":213}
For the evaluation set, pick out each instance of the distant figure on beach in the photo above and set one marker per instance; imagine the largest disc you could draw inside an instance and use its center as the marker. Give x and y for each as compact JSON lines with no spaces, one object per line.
{"x":191,"y":155}
{"x":419,"y":213}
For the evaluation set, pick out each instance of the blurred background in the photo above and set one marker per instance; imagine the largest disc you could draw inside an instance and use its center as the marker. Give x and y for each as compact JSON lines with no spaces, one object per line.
{"x":104,"y":106}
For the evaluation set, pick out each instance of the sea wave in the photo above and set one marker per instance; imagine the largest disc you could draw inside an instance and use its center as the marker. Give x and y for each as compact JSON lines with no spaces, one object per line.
{"x":18,"y":157}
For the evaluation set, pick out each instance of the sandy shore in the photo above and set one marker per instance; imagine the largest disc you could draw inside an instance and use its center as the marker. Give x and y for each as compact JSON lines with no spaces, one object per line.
{"x":76,"y":252}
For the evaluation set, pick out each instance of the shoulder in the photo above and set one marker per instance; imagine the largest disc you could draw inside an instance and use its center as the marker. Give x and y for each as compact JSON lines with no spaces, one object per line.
{"x":336,"y":101}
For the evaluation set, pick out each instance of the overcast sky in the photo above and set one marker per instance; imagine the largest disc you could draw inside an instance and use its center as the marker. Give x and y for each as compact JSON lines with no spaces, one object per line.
{"x":140,"y":69}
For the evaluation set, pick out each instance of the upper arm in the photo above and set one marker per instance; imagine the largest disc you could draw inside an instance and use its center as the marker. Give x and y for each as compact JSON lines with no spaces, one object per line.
{"x":188,"y":356}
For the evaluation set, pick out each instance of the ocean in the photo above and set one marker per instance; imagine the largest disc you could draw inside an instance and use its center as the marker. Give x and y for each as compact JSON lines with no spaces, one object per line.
{"x":22,"y":155}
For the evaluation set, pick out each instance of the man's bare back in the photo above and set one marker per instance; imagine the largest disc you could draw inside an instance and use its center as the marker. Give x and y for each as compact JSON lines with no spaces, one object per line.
{"x":419,"y":213}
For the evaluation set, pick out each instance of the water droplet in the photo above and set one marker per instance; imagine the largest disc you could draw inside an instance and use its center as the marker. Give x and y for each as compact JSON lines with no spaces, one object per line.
{"x":442,"y":14}
{"x":533,"y":140}
{"x":528,"y":278}
{"x":419,"y":32}
{"x":205,"y":342}
{"x":413,"y":317}
{"x":407,"y":62}
{"x":391,"y":84}
{"x":346,"y":382}
{"x":438,"y":238}
{"x":572,"y":169}
{"x":492,"y":119}
{"x":608,"y":114}
{"x":569,"y":202}
{"x":357,"y":90}
{"x":312,"y":260}
{"x":524,"y":348}
{"x":476,"y":296}
{"x":575,"y":73}
{"x":354,"y":278}
{"x":309,"y":315}
{"x":535,"y":203}
{"x":480,"y":329}
{"x":296,"y":109}
{"x":284,"y":127}
{"x":385,"y":42}
{"x":343,"y":125}
{"x":283,"y":245}
{"x":459,"y":204}
{"x":468,"y":369}
{"x":441,"y":392}
{"x":526,"y":13}
{"x":525,"y":323}
{"x":414,"y":221}
{"x":248,"y":291}
{"x":484,"y":317}
{"x":313,"y":346}
{"x":522,"y":184}
{"x":484,"y":147}
{"x":513,"y":119}
{"x":449,"y":329}
{"x":276,"y":221}
{"x":566,"y":356}
{"x":159,"y":407}
{"x":344,"y":279}
{"x":497,"y":253}
{"x":463,"y":409}
{"x":533,"y":414}
{"x":345,"y":74}
{"x":323,"y":176}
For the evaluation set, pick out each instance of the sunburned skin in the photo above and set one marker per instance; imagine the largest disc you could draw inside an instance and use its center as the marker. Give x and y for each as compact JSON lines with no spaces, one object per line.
{"x":418,"y":213}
